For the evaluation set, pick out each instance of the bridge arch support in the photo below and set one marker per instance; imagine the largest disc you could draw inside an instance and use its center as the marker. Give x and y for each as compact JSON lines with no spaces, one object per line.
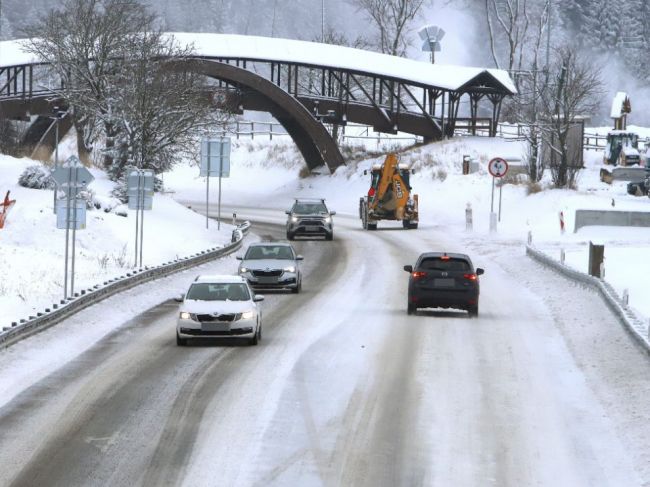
{"x":313,"y":140}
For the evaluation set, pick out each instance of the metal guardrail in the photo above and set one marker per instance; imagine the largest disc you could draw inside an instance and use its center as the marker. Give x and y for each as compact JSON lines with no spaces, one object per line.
{"x":58,"y":312}
{"x":633,"y":323}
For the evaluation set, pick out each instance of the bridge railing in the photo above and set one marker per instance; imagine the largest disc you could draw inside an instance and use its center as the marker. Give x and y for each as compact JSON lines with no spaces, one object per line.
{"x":350,"y":132}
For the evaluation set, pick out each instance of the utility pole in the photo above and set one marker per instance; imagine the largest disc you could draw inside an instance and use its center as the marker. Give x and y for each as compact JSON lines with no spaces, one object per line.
{"x":322,"y":21}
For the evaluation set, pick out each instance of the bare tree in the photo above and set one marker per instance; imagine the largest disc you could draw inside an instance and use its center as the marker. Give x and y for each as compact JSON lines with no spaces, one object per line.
{"x":508,"y":20}
{"x":573,"y":91}
{"x":108,"y":54}
{"x":392,"y":18}
{"x":158,"y":113}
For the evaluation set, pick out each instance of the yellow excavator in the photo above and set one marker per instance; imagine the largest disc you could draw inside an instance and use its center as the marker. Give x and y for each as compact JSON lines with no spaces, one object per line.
{"x":389,"y":196}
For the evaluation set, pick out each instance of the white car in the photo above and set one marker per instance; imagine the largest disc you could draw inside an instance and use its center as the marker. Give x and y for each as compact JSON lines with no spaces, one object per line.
{"x":219,"y":307}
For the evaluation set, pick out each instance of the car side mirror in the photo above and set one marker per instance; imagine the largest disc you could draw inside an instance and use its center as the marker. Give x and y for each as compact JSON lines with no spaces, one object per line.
{"x":479,"y":271}
{"x":239,"y":257}
{"x":180,"y":298}
{"x":287,"y":212}
{"x":408,"y":268}
{"x":258,"y":297}
{"x":365,"y":172}
{"x":299,"y":257}
{"x":412,"y":171}
{"x":332,"y":213}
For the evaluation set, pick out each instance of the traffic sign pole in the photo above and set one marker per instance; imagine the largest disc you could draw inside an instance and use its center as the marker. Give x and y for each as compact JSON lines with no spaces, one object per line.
{"x":220,"y":173}
{"x":207,"y":192}
{"x":67,"y":236}
{"x":497,"y":167}
{"x":141,"y":194}
{"x":74,"y":232}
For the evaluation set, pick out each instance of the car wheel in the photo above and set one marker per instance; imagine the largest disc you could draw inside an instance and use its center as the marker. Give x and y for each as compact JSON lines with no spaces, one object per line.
{"x":473,"y":311}
{"x":410,"y":309}
{"x":406,"y":224}
{"x":296,"y":289}
{"x":181,"y":342}
{"x":372,"y":226}
{"x":290,"y":236}
{"x":329,"y":236}
{"x":413,"y":226}
{"x":256,"y":338}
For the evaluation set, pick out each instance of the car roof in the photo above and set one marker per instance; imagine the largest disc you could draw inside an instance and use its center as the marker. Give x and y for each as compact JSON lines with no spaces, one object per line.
{"x":310,"y":200}
{"x":451,"y":255}
{"x":219,"y":279}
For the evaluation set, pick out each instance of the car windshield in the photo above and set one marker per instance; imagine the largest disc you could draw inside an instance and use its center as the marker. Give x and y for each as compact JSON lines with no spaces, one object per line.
{"x":309,"y":208}
{"x":281,"y":252}
{"x":208,"y":291}
{"x":446,"y":264}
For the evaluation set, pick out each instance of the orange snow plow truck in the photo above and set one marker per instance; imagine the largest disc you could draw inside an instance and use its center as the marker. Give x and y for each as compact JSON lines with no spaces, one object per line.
{"x":389,"y":196}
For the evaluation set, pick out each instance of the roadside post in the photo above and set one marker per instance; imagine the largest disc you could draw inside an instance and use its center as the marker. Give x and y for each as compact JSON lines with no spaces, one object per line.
{"x":215,"y":161}
{"x":497,"y":167}
{"x":71,"y":177}
{"x":140,"y":186}
{"x":469,"y":223}
{"x":596,"y":260}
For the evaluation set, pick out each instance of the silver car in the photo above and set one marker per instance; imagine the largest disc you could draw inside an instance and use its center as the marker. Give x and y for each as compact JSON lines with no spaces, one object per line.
{"x":272,"y":265}
{"x":219,"y":307}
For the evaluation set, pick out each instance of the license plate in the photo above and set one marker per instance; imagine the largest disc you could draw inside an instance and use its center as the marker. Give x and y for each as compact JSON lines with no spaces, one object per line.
{"x":443,"y":282}
{"x":312,"y":228}
{"x":215,"y":326}
{"x":268,"y":280}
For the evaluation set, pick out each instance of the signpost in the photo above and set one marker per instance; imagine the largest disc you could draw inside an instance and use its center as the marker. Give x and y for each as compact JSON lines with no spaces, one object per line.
{"x":140,"y":187}
{"x":71,"y":178}
{"x":498,"y":168}
{"x":215,"y":161}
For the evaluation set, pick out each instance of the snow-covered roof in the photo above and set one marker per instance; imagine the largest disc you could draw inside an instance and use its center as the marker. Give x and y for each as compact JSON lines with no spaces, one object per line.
{"x":617,"y":104}
{"x":447,"y":77}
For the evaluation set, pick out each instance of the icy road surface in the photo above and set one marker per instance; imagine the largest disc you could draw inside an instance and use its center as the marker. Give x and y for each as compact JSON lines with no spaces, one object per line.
{"x":544,"y":388}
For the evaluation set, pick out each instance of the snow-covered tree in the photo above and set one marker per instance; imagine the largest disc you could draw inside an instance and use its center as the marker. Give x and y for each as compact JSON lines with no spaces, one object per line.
{"x":573,"y":90}
{"x":112,"y":79}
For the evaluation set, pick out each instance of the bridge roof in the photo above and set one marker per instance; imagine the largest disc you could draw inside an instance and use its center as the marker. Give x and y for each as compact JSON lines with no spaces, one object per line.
{"x":269,"y":49}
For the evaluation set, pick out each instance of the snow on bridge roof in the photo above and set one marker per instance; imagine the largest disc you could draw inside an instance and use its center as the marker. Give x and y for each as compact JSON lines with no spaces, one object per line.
{"x":447,"y":77}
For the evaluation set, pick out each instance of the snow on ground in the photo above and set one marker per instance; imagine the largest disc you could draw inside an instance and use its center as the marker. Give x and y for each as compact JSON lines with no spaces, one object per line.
{"x":32,"y":248}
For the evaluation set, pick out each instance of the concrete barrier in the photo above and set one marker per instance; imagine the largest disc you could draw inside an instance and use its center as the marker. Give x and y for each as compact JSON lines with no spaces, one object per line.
{"x":611,"y":218}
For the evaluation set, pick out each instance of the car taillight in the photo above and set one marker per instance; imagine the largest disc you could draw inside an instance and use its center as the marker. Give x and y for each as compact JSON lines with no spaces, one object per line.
{"x":418,"y":274}
{"x":371,"y":192}
{"x":471,"y":277}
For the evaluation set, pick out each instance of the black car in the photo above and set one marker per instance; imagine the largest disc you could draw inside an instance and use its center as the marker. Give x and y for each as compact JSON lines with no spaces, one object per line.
{"x":310,"y":217}
{"x":442,"y":280}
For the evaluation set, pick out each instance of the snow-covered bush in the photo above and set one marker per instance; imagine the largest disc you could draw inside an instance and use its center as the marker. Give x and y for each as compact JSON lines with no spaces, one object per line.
{"x":36,"y":177}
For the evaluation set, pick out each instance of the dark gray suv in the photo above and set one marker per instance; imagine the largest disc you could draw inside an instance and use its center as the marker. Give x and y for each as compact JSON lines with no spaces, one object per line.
{"x":310,"y":217}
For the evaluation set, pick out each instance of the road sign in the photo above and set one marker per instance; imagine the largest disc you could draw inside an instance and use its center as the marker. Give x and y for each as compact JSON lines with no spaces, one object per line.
{"x":215,"y":157}
{"x":140,"y":186}
{"x":62,"y":215}
{"x":71,"y":173}
{"x":498,"y":167}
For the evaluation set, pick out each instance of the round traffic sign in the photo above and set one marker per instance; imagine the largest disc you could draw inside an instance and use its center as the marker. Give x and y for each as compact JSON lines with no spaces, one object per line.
{"x":498,"y":167}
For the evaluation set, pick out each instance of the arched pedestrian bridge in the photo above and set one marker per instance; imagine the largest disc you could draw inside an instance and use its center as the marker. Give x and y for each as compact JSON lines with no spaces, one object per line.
{"x":304,"y":85}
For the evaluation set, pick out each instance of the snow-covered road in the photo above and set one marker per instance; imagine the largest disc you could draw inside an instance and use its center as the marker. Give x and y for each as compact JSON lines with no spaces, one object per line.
{"x":544,"y":388}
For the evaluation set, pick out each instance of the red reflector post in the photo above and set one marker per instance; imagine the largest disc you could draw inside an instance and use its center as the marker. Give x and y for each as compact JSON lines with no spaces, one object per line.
{"x":471,"y":277}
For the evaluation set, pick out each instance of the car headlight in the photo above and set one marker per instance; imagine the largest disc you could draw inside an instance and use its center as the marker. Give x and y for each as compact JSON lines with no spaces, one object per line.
{"x":294,"y":219}
{"x":247,"y":315}
{"x":328,"y":219}
{"x":291,"y":268}
{"x":185,"y":315}
{"x":243,"y":269}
